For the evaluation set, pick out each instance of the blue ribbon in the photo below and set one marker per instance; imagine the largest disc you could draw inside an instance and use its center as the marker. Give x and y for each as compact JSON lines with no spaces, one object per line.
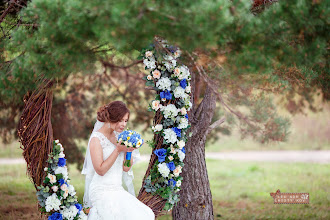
{"x":128,"y":155}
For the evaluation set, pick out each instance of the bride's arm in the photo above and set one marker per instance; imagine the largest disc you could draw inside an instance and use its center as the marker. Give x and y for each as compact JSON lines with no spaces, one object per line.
{"x":126,"y":169}
{"x":101,"y":166}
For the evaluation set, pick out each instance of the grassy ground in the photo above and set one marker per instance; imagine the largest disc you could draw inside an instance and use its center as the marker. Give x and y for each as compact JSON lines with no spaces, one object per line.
{"x":240,"y":190}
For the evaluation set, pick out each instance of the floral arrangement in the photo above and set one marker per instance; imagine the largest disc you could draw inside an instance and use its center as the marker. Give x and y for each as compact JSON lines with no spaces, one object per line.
{"x":57,"y":197}
{"x":172,"y":83}
{"x":130,"y":138}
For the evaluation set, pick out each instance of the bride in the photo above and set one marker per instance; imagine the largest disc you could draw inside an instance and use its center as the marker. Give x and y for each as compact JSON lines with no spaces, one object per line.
{"x":105,"y":171}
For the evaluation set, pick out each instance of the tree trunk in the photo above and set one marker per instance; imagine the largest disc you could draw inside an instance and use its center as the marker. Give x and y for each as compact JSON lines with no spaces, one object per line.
{"x":195,"y":195}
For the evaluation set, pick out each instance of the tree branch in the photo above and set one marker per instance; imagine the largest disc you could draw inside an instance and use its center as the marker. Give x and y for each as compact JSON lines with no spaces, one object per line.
{"x":215,"y":125}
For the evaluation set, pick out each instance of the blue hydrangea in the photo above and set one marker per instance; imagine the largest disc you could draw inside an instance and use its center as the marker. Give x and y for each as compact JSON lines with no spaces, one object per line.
{"x":61,"y":181}
{"x":171,"y":166}
{"x":123,"y":135}
{"x":183,"y":83}
{"x":183,"y":150}
{"x":79,"y":207}
{"x":161,"y":154}
{"x":186,"y":116}
{"x":166,"y":94}
{"x":61,"y":162}
{"x":177,"y":131}
{"x":172,"y":182}
{"x":56,"y":216}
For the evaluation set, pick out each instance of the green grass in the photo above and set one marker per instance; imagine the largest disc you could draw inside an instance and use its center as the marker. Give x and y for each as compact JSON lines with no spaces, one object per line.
{"x":240,"y":190}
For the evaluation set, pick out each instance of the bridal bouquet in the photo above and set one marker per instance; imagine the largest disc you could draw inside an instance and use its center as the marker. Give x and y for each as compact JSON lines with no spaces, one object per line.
{"x":56,"y":196}
{"x":130,"y":138}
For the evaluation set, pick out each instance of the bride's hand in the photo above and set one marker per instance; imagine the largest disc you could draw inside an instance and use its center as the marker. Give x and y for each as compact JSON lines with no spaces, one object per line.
{"x":123,"y":148}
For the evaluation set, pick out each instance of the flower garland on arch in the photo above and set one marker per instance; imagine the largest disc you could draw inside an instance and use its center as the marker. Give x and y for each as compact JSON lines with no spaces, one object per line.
{"x":57,"y":197}
{"x":171,"y":80}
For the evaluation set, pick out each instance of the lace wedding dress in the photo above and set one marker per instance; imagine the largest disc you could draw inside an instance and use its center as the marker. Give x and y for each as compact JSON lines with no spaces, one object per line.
{"x":108,"y":199}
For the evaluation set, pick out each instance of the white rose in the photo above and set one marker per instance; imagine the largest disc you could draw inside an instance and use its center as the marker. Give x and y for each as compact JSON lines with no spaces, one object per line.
{"x":57,"y":141}
{"x":177,"y":172}
{"x":156,"y":74}
{"x":172,"y":150}
{"x":46,"y":169}
{"x":155,"y":105}
{"x":177,"y":71}
{"x":188,"y":89}
{"x":177,"y":53}
{"x":149,"y":77}
{"x":71,"y":190}
{"x":64,"y":187}
{"x":61,"y":155}
{"x":148,"y":53}
{"x":158,"y":127}
{"x":181,"y":155}
{"x":181,"y":144}
{"x":52,"y":178}
{"x":178,"y":183}
{"x":170,"y":158}
{"x":183,"y":111}
{"x":54,"y":188}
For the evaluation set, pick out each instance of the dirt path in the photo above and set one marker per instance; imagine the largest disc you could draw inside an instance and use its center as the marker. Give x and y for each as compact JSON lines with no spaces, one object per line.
{"x":274,"y":156}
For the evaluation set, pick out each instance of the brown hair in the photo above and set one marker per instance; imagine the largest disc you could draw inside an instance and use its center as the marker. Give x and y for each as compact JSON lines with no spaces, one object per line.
{"x":112,"y":112}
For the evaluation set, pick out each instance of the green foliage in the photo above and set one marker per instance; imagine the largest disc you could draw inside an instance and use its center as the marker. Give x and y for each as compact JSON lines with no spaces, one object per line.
{"x":69,"y":34}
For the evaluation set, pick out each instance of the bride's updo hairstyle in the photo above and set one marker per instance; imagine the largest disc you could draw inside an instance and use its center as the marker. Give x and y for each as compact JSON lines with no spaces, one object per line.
{"x":113,"y":112}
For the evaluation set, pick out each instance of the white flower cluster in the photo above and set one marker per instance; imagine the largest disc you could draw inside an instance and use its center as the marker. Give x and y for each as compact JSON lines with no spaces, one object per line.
{"x":170,"y":62}
{"x":69,"y":213}
{"x":52,"y":203}
{"x":150,"y":63}
{"x":164,"y":83}
{"x":62,"y":170}
{"x":158,"y":127}
{"x":58,"y":188}
{"x":163,"y":169}
{"x":179,"y":92}
{"x":170,"y":111}
{"x":183,"y":123}
{"x":170,"y":136}
{"x":184,"y":73}
{"x":177,"y":82}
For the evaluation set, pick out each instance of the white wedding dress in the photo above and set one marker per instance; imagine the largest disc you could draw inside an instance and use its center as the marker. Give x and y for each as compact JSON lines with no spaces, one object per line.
{"x":109,"y":200}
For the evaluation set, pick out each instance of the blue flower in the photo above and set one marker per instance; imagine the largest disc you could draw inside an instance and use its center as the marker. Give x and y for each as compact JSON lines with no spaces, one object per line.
{"x":61,"y":162}
{"x":161,"y":154}
{"x":183,"y":83}
{"x":166,"y":94}
{"x":56,"y":216}
{"x":172,"y":182}
{"x":172,"y":48}
{"x":61,"y":181}
{"x":123,"y":135}
{"x":79,"y":207}
{"x":171,"y":166}
{"x":186,"y":116}
{"x":183,"y":150}
{"x":177,"y":131}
